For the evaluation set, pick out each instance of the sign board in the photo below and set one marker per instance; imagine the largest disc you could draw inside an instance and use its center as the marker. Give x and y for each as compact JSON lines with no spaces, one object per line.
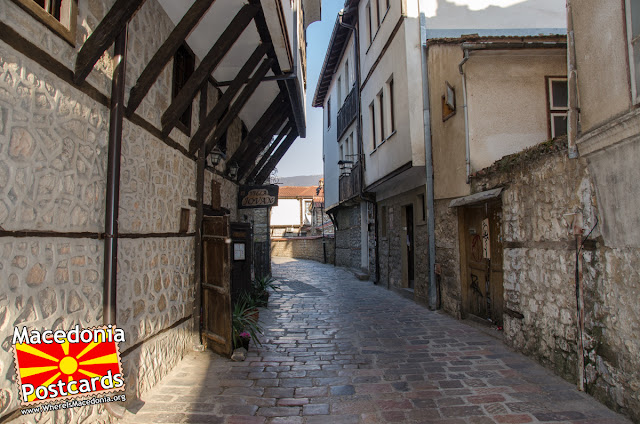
{"x":251,"y":197}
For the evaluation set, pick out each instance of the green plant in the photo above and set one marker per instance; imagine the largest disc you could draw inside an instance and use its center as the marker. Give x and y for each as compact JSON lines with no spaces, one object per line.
{"x":260,"y":289}
{"x":243,"y":320}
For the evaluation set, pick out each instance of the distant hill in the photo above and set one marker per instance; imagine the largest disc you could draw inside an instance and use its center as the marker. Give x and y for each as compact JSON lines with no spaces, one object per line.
{"x":299,"y":181}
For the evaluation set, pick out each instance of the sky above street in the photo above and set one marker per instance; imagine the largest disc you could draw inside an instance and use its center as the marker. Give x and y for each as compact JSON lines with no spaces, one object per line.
{"x":305,"y":155}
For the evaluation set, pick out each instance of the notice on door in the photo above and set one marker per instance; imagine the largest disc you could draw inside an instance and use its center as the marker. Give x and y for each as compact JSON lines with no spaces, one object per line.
{"x":486,"y":245}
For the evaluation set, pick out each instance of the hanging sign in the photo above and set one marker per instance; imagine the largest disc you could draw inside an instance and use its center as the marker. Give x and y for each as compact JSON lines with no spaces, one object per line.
{"x":251,"y":197}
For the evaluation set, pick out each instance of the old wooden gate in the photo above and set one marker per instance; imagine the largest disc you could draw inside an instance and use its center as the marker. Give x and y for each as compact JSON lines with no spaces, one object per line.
{"x":482,"y":261}
{"x":216,"y":285}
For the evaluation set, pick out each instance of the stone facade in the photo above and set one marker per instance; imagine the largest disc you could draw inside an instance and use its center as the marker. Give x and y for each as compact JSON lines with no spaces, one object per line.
{"x":53,"y":154}
{"x":304,"y":248}
{"x":448,"y":258}
{"x":392,"y":250}
{"x":539,"y":279}
{"x":347,"y":236}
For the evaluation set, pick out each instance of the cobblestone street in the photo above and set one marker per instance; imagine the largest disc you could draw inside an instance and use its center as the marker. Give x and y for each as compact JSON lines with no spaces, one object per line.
{"x":339,"y":350}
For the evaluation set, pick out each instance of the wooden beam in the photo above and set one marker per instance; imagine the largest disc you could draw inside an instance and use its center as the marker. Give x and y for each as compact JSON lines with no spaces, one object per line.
{"x":212,"y":117}
{"x":103,"y":36}
{"x":213,"y":58}
{"x":238,"y":104}
{"x":197,"y":304}
{"x":267,"y":154}
{"x":254,"y":148}
{"x":275,"y":158}
{"x":258,"y":128}
{"x":165,"y":53}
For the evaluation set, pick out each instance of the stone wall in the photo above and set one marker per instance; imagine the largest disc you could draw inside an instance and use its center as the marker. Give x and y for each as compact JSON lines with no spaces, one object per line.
{"x":53,"y":154}
{"x":539,"y":278}
{"x":448,"y":258}
{"x":303,"y":248}
{"x":347,"y":237}
{"x":392,"y":246}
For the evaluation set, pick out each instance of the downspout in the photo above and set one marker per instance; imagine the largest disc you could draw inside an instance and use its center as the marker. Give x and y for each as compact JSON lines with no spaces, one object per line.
{"x":572,"y":119}
{"x":466,"y":113}
{"x":113,"y":180}
{"x":432,"y":292}
{"x":109,"y":304}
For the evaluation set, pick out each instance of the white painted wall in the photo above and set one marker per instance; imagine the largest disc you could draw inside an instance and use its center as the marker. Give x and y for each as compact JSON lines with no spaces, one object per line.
{"x":507,"y":101}
{"x":286,"y":213}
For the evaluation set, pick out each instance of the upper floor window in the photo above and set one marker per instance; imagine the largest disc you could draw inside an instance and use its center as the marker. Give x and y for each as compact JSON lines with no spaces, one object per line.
{"x":382,"y":115}
{"x":339,"y":84}
{"x":392,"y":106}
{"x":347,"y":77}
{"x":558,"y":95}
{"x":329,"y":112}
{"x":633,"y":35}
{"x":183,"y":65}
{"x":59,"y":15}
{"x":369,"y":23}
{"x":372,"y":114}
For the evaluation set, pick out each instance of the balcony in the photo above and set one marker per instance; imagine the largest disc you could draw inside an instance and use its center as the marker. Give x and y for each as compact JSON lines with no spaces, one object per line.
{"x":350,"y":183}
{"x":347,"y":112}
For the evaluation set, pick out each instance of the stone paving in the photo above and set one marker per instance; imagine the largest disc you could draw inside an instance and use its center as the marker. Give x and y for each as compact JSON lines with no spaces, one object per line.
{"x":339,"y":350}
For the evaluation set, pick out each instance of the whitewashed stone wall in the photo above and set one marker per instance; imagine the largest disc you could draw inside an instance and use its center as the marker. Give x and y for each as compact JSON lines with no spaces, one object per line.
{"x":539,"y":282}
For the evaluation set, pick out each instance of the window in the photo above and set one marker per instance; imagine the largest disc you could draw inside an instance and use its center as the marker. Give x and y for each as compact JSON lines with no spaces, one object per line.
{"x":329,"y":112}
{"x":558,"y":95}
{"x":392,"y":106}
{"x":59,"y":15}
{"x":372,"y":113}
{"x":183,"y":65}
{"x":339,"y":92}
{"x":388,"y":4}
{"x":448,"y":102}
{"x":341,"y":152}
{"x":347,"y":77}
{"x":369,"y":23}
{"x":354,"y":154}
{"x":633,"y":35}
{"x":378,"y":12}
{"x":381,"y":105}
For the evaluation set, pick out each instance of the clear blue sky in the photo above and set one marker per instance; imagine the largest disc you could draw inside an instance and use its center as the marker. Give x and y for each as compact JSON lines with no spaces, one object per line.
{"x":305,"y":155}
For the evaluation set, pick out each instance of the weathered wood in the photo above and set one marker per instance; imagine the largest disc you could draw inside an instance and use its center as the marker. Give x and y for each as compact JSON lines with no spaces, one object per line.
{"x":238,"y":104}
{"x":209,"y":63}
{"x":267,"y":154}
{"x":207,"y":124}
{"x":248,"y":158}
{"x":165,"y":53}
{"x":103,"y":36}
{"x":275,"y":158}
{"x":276,"y":105}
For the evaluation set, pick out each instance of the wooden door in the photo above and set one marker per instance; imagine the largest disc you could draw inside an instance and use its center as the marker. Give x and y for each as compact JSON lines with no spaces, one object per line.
{"x":216,"y":285}
{"x":483,"y":253}
{"x":241,"y":259}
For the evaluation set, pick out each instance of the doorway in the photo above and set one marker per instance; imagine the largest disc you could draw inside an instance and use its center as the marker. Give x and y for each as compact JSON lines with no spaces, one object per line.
{"x":482,"y":251}
{"x":410,"y":246}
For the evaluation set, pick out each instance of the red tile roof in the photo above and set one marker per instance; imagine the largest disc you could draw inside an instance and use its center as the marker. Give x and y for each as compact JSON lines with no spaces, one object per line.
{"x":289,"y":192}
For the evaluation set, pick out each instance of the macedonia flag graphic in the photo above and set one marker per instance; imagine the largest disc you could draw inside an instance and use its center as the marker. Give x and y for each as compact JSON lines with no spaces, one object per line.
{"x":54,"y":371}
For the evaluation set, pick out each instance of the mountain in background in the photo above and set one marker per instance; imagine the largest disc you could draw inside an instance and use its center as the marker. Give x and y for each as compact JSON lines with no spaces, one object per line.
{"x":299,"y":181}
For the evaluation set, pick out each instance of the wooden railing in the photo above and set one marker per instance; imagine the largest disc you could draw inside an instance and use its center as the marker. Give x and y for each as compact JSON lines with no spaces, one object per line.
{"x":347,"y":112}
{"x":350,"y":184}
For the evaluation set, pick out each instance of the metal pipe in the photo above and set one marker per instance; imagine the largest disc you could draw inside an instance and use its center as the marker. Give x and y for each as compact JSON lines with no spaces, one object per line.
{"x":432,"y":291}
{"x":109,"y":305}
{"x":572,"y":118}
{"x":466,"y":113}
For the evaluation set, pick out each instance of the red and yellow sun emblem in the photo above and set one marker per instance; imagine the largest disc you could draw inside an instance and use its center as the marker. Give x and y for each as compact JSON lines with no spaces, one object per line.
{"x":67,"y":370}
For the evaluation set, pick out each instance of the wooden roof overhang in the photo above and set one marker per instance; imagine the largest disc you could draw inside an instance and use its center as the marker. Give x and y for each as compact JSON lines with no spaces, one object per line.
{"x":248,"y":45}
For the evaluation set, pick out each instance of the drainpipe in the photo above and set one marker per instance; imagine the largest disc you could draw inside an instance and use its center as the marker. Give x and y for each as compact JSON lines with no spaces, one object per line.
{"x":113,"y":180}
{"x":109,"y":305}
{"x":572,"y":119}
{"x":426,"y":114}
{"x":466,"y":113}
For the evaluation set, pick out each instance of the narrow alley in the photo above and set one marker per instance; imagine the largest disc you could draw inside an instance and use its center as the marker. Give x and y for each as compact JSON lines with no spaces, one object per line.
{"x":339,"y":350}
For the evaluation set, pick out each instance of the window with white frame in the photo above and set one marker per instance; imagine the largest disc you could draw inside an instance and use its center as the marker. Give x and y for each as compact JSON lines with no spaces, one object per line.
{"x":369,"y":23}
{"x":339,"y":83}
{"x":372,"y":115}
{"x":558,"y":95}
{"x":392,"y":106}
{"x":329,"y":112}
{"x":354,"y":155}
{"x":382,"y":116}
{"x":347,"y":77}
{"x":59,"y":15}
{"x":633,"y":36}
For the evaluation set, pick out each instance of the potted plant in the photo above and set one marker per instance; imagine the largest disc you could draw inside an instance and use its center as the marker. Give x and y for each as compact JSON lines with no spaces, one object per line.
{"x":260,"y":289}
{"x":243,"y":320}
{"x":244,"y":338}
